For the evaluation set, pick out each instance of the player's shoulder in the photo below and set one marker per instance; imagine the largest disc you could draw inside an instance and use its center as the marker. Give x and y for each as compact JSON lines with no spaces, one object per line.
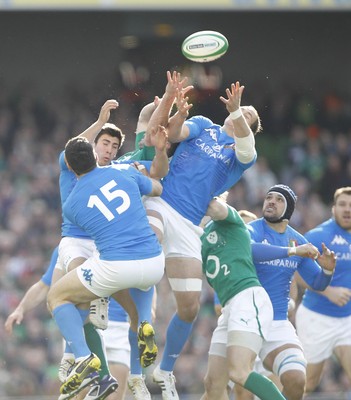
{"x":199,"y":122}
{"x":324,"y":228}
{"x":256,"y":228}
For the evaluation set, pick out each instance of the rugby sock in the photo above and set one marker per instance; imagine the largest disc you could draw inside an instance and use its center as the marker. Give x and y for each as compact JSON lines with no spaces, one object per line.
{"x":96,"y":346}
{"x":83,"y":314}
{"x":68,"y":350}
{"x":135,"y":367}
{"x":262,"y":387}
{"x":68,"y":320}
{"x":178,"y":332}
{"x":143,"y":303}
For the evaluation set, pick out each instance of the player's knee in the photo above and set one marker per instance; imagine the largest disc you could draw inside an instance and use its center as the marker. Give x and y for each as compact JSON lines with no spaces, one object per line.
{"x":188,"y":312}
{"x":290,"y":366}
{"x":289,"y":359}
{"x":293,"y":384}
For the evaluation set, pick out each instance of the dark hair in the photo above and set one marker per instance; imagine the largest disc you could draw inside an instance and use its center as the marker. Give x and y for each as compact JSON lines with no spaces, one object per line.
{"x":80,"y":155}
{"x":112,"y":130}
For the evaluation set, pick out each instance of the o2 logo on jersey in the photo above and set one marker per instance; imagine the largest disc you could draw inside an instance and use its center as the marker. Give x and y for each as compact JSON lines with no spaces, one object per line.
{"x":110,"y":194}
{"x":217,"y":267}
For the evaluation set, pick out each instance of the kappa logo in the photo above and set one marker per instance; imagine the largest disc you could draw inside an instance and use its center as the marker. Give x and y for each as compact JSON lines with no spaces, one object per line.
{"x":213,"y":134}
{"x":87,"y":275}
{"x":338,"y":239}
{"x":212,"y":237}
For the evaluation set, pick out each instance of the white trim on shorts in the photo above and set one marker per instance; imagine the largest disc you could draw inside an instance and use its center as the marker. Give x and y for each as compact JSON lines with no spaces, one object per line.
{"x":181,"y":238}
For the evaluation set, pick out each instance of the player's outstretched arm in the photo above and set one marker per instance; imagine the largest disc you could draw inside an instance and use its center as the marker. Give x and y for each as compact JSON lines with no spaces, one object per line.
{"x":217,"y":210}
{"x":232,"y":102}
{"x":145,"y":115}
{"x":177,"y":131}
{"x":160,"y":164}
{"x":103,"y":118}
{"x":161,"y":115}
{"x":35,"y":295}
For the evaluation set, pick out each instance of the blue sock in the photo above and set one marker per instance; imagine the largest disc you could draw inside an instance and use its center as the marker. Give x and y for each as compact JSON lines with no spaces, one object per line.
{"x":135,"y":367}
{"x":143,"y":303}
{"x":68,"y":320}
{"x":83,"y":314}
{"x":68,"y":349}
{"x":177,"y":334}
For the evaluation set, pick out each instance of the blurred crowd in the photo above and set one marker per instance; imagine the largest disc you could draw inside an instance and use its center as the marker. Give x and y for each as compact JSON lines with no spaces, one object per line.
{"x":305,"y":143}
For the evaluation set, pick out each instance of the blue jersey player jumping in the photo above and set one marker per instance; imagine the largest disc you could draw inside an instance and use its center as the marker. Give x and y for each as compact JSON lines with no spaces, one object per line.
{"x":105,"y":203}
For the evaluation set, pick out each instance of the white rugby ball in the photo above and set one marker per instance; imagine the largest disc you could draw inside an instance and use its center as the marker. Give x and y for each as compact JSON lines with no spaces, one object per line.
{"x":205,"y":46}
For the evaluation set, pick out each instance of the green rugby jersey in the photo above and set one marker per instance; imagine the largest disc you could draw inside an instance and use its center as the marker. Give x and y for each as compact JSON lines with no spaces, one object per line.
{"x":227,"y":256}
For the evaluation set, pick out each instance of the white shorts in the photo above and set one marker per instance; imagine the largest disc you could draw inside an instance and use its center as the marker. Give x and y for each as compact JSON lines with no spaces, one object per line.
{"x":320,"y":334}
{"x":117,"y":342}
{"x":181,"y":237}
{"x":104,"y":278}
{"x":71,"y":248}
{"x":281,"y":333}
{"x":243,"y":314}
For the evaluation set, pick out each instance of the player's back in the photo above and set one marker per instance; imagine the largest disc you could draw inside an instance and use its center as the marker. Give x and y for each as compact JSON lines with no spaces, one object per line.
{"x":107,"y":204}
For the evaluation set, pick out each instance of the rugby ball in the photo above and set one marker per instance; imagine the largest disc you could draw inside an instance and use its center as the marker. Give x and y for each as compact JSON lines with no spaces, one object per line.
{"x":204,"y":46}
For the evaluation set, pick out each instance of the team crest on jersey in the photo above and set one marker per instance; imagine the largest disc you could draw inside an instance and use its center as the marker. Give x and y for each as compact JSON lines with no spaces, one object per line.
{"x":212,"y":237}
{"x":293,"y":243}
{"x":338,"y":239}
{"x":265,"y":241}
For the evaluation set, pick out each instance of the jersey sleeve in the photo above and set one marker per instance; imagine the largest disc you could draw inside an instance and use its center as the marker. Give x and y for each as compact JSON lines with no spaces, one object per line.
{"x":196,"y":125}
{"x":47,"y":277}
{"x":62,"y":163}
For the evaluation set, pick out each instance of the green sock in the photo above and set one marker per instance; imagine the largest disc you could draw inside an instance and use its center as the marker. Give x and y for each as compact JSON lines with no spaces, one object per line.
{"x":262,"y":387}
{"x":95,"y":344}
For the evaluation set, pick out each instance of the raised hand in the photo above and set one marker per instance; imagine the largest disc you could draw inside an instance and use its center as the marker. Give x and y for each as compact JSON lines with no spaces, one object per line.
{"x":175,"y":83}
{"x":327,"y":260}
{"x":182,"y":103}
{"x":104,"y":114}
{"x":233,"y":100}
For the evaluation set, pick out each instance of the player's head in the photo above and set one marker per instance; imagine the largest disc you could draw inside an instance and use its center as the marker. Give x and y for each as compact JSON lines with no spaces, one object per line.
{"x":107,"y":143}
{"x":252,"y":118}
{"x":79,"y":155}
{"x":342,"y":207}
{"x":279,"y":204}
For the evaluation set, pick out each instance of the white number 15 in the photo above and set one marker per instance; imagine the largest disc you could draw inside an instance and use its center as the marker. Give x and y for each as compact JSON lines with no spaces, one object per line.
{"x":110,"y":194}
